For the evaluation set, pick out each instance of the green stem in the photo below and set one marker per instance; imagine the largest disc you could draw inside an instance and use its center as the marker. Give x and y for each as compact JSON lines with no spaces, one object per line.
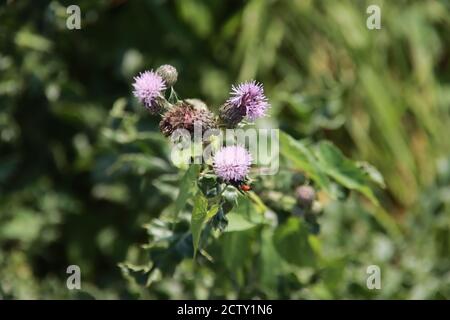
{"x":173,"y":97}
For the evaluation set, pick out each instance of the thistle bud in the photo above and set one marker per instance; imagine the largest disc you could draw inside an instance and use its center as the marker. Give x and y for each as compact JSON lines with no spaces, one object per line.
{"x":168,"y":73}
{"x":231,"y":115}
{"x":186,"y":116}
{"x":305,"y":196}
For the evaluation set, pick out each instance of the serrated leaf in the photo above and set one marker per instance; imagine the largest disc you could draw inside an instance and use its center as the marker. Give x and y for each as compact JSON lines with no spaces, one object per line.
{"x":303,"y":159}
{"x":199,"y":213}
{"x":292,"y":244}
{"x":343,"y":170}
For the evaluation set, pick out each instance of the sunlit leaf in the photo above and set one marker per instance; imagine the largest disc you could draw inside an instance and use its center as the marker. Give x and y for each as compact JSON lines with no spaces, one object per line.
{"x":245,"y":215}
{"x":343,"y":170}
{"x":303,"y":159}
{"x":199,"y":213}
{"x":372,"y":173}
{"x":237,"y":222}
{"x":187,"y":186}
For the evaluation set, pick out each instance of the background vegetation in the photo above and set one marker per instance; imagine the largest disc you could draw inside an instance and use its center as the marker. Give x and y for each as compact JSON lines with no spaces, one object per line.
{"x":83,"y":167}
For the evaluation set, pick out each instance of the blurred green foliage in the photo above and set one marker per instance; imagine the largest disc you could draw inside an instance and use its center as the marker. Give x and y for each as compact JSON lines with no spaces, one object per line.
{"x":76,"y":188}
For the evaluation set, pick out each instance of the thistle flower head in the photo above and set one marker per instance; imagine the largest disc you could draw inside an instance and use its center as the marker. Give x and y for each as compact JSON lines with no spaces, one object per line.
{"x":251,"y":96}
{"x":305,"y":195}
{"x":186,"y":116}
{"x":148,"y":87}
{"x":168,"y":73}
{"x":232,"y":163}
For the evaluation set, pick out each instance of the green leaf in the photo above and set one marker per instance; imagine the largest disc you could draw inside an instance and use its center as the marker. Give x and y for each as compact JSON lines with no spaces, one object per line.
{"x":291,"y":241}
{"x":343,"y":170}
{"x":372,"y":173}
{"x":139,"y":163}
{"x":271,"y":264}
{"x":237,"y":222}
{"x":187,"y":187}
{"x":236,"y":250}
{"x":208,"y":185}
{"x":139,"y":273}
{"x":212,"y":211}
{"x":199,"y":214}
{"x":245,"y":215}
{"x":34,"y":41}
{"x":303,"y":159}
{"x":26,"y":226}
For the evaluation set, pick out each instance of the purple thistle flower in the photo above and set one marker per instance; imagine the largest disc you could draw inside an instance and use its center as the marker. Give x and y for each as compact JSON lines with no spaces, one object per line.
{"x":148,"y":87}
{"x":251,"y":95}
{"x":232,"y":163}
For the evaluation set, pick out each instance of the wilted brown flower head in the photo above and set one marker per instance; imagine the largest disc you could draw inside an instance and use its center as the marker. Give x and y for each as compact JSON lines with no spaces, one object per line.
{"x":185,"y":115}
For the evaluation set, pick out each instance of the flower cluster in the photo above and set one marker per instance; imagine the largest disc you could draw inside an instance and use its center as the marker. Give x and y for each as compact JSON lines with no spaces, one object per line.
{"x":247,"y":101}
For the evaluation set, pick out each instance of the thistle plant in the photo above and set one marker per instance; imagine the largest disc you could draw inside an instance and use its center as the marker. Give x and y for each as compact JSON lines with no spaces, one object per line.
{"x":247,"y":101}
{"x":224,"y":193}
{"x":228,"y":172}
